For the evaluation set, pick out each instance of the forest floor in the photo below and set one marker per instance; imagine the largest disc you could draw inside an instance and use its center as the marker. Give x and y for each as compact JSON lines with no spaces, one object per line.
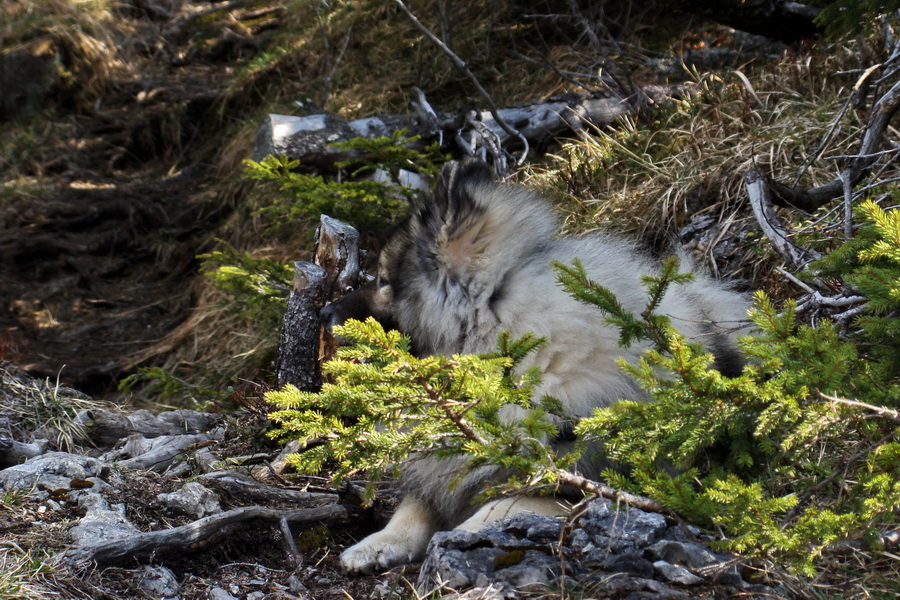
{"x":106,"y":206}
{"x":105,"y":209}
{"x":125,"y":170}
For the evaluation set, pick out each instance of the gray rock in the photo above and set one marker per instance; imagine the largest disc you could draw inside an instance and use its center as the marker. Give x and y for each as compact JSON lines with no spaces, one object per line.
{"x":698,"y":559}
{"x":218,"y":593}
{"x":690,"y":554}
{"x":634,"y":526}
{"x":52,"y":472}
{"x":159,"y":583}
{"x":676,"y":573}
{"x":622,"y":552}
{"x":192,"y":499}
{"x":102,"y":523}
{"x":631,"y":561}
{"x":501,"y":553}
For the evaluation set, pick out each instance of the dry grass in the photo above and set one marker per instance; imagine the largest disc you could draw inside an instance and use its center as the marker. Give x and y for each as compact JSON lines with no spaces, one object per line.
{"x":89,"y":33}
{"x":22,"y":575}
{"x":649,"y":179}
{"x":41,"y":408}
{"x":860,"y":575}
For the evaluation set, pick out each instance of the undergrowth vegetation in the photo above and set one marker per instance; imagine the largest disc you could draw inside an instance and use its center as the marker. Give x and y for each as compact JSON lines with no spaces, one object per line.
{"x":787,"y":461}
{"x":782,"y":459}
{"x":46,"y":408}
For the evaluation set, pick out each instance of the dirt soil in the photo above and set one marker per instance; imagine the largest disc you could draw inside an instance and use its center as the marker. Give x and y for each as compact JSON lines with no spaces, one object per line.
{"x":83,"y":291}
{"x":98,"y":257}
{"x":97,"y":265}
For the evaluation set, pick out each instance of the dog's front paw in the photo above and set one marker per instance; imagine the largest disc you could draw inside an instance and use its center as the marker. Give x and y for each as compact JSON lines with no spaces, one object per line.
{"x":378,"y":552}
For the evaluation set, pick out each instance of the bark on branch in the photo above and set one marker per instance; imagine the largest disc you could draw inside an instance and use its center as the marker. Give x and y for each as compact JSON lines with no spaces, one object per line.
{"x":198,"y":535}
{"x":859,"y":165}
{"x":298,"y":350}
{"x":308,"y":138}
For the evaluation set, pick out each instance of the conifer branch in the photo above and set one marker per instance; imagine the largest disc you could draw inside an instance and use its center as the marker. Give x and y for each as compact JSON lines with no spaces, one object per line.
{"x":441,"y":402}
{"x":598,"y":489}
{"x":883,"y":411}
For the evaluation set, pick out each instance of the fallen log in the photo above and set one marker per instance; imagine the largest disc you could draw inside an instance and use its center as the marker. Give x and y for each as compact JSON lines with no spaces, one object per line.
{"x":242,"y":488}
{"x":310,"y":138}
{"x":105,"y":427}
{"x":197,"y":536}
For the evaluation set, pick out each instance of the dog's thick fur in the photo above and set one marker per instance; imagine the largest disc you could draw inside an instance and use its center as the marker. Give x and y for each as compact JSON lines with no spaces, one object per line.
{"x":476,"y":260}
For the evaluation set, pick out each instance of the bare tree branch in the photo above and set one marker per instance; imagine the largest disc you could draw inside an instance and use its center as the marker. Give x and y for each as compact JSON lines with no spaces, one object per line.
{"x":461,"y":64}
{"x":759,"y":191}
{"x":198,"y":535}
{"x":811,"y":199}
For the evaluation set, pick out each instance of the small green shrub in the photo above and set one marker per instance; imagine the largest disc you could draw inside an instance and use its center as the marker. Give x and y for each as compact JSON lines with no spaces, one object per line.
{"x":798,"y":452}
{"x":369,"y":204}
{"x":385,"y":404}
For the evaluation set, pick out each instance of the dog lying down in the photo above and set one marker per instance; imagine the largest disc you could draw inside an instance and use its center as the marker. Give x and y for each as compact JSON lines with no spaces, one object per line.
{"x":475,"y":260}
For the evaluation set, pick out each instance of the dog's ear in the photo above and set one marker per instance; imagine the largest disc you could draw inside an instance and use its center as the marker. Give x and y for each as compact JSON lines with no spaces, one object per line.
{"x":452,"y":192}
{"x":456,"y":218}
{"x":472,"y":220}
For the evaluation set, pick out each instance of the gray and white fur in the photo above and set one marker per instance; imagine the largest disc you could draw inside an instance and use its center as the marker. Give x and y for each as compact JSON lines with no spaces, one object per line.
{"x":475,"y":260}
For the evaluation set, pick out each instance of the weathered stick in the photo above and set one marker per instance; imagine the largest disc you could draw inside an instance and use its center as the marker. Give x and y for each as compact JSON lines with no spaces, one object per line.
{"x":198,"y":535}
{"x":298,"y":350}
{"x":159,"y":453}
{"x":13,"y":452}
{"x":106,"y":427}
{"x":244,"y":488}
{"x":337,"y":252}
{"x":760,"y":200}
{"x":309,"y":138}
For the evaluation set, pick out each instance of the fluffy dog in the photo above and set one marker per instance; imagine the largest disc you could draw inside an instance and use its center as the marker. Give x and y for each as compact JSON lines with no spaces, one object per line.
{"x":475,"y":260}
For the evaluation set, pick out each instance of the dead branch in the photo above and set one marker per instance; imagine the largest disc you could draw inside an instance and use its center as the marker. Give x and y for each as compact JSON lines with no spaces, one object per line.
{"x":159,"y":453}
{"x":858,"y":166}
{"x":883,"y":411}
{"x":310,"y":138}
{"x":13,"y":452}
{"x":243,"y":488}
{"x":461,"y":64}
{"x":610,"y":493}
{"x":199,"y":535}
{"x":298,"y":349}
{"x":759,"y":190}
{"x":337,"y":252}
{"x":106,"y":427}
